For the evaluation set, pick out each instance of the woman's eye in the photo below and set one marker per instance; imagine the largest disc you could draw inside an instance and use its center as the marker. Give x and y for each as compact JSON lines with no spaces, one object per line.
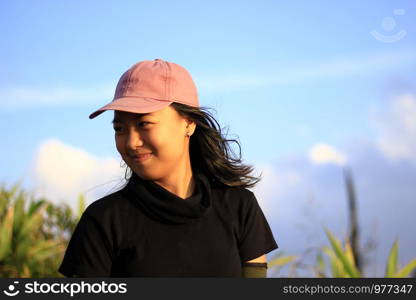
{"x":141,"y":124}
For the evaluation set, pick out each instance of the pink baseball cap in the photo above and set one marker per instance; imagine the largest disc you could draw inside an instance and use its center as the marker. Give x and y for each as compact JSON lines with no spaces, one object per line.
{"x":149,"y":86}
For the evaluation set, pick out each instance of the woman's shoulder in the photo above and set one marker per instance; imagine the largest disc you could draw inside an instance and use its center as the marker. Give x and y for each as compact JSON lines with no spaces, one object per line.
{"x":234,"y":195}
{"x":240,"y":202}
{"x":237,"y":191}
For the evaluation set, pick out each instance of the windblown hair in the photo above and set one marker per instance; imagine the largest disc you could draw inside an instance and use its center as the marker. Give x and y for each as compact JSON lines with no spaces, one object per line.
{"x":211,"y":153}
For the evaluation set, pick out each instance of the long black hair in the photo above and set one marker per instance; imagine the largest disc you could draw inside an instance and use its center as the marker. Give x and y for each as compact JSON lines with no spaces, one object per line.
{"x":211,"y":153}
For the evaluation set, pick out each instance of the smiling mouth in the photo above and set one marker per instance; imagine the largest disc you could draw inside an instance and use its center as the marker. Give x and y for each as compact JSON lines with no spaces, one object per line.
{"x":141,"y":157}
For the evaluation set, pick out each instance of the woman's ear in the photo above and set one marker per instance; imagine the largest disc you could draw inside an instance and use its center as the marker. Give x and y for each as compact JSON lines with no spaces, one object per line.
{"x":190,"y":127}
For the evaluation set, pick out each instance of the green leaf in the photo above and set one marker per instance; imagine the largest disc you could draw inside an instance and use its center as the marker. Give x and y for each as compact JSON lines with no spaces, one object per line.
{"x":320,"y":262}
{"x":19,"y":213}
{"x":6,"y":231}
{"x":22,"y":248}
{"x":320,"y":266}
{"x":391,"y":267}
{"x":35,"y":205}
{"x":281,"y":261}
{"x":336,"y":266}
{"x":81,"y":205}
{"x":405,"y":271}
{"x":34,"y":221}
{"x":5,"y":198}
{"x":33,"y":234}
{"x":44,"y":249}
{"x":349,"y":268}
{"x":348,"y":253}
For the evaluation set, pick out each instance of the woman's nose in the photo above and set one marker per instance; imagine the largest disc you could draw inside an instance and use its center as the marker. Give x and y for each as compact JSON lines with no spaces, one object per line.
{"x":134,"y":139}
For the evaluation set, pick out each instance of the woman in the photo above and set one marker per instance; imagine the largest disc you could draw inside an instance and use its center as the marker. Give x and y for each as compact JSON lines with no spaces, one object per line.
{"x":186,"y":210}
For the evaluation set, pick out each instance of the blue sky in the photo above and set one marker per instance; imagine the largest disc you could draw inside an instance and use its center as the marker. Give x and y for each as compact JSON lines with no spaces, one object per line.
{"x":284,"y":76}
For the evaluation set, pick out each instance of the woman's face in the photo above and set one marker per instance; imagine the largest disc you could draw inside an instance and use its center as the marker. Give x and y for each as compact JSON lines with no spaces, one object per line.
{"x":160,"y":135}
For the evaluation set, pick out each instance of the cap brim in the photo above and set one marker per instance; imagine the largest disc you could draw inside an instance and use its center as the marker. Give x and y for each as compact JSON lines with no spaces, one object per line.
{"x":134,"y":105}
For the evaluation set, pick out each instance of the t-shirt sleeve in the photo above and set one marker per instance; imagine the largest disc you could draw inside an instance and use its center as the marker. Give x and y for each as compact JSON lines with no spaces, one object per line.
{"x":89,"y":251}
{"x":256,"y":237}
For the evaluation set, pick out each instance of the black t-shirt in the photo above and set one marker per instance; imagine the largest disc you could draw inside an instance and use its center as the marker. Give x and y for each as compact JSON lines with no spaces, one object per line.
{"x":144,"y":230}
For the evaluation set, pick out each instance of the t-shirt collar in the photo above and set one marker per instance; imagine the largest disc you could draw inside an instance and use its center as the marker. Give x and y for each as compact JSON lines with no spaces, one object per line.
{"x":166,"y":207}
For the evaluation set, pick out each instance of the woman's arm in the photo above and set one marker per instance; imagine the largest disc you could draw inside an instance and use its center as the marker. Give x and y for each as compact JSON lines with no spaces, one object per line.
{"x":255,"y":268}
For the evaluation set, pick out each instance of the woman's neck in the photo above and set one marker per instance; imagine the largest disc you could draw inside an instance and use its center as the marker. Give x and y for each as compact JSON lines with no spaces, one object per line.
{"x":180,"y":183}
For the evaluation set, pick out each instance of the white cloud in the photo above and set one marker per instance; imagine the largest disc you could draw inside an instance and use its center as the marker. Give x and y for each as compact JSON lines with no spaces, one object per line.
{"x":396,"y":128}
{"x":323,"y":153}
{"x":60,"y":172}
{"x":274,"y":185}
